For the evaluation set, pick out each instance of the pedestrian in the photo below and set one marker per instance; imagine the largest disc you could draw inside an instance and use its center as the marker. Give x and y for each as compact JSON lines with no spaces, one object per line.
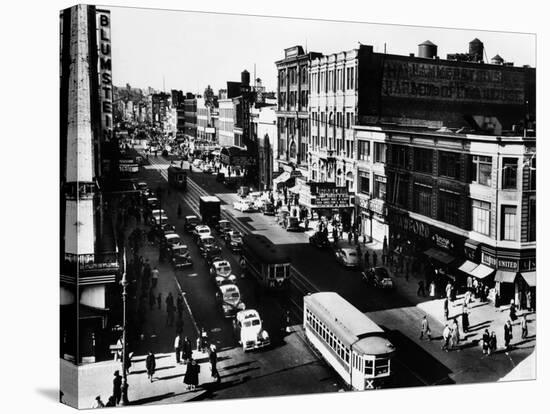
{"x":492,"y":343}
{"x":177,"y":348}
{"x":448,"y":291}
{"x":508,"y":334}
{"x":374,"y":259}
{"x":465,"y":319}
{"x":213,"y":361}
{"x":420,"y":291}
{"x":117,"y":387}
{"x":186,"y":350}
{"x":513,"y":315}
{"x":159,"y":300}
{"x":425,"y":329}
{"x":455,"y":334}
{"x":432,"y":290}
{"x":98,"y":403}
{"x":203,"y":341}
{"x":523,"y":324}
{"x":191,"y":378}
{"x":152,"y":299}
{"x":485,"y":341}
{"x":446,"y":338}
{"x":155,"y":277}
{"x":150,"y":365}
{"x":446,"y":308}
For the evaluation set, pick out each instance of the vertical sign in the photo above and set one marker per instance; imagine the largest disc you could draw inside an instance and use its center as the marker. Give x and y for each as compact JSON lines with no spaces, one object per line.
{"x":105,"y":71}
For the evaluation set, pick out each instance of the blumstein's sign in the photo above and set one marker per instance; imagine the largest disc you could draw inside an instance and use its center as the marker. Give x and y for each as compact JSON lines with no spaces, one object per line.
{"x":103,"y":19}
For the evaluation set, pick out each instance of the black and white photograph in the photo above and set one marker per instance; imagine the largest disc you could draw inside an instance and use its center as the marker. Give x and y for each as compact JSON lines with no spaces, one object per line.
{"x":250,"y":212}
{"x":286,"y":207}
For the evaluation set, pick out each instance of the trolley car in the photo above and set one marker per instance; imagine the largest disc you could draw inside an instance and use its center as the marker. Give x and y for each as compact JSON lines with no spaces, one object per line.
{"x":350,"y":342}
{"x":262,"y":259}
{"x":177,"y":177}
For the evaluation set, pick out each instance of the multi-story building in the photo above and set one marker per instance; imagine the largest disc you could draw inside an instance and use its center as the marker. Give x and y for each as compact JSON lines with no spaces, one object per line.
{"x":226,"y":133}
{"x":264,"y":131}
{"x":89,"y":256}
{"x":190,"y":114}
{"x":205,"y":124}
{"x":292,"y":110}
{"x":160,"y":106}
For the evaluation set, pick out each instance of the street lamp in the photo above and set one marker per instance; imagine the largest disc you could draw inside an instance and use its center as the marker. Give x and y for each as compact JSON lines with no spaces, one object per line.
{"x":124,"y":283}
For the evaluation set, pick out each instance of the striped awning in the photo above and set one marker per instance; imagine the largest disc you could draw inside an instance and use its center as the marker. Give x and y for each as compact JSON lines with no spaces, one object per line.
{"x":503,"y":276}
{"x":467,"y":267}
{"x":530,"y":278}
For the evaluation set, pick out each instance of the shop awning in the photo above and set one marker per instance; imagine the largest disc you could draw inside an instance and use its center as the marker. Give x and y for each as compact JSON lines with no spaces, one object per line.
{"x":284,"y":177}
{"x":530,"y":278}
{"x":439,"y":255}
{"x":482,"y":271}
{"x":503,"y":276}
{"x":467,"y":267}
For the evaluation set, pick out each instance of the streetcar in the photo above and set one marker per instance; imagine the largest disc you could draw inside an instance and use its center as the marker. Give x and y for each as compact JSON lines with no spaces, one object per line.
{"x":265,"y":262}
{"x":351,"y":343}
{"x":177,"y":177}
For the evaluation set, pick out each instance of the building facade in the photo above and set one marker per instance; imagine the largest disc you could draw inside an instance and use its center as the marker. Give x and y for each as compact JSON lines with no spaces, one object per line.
{"x":264,"y":131}
{"x":190,"y":115}
{"x":292,"y":110}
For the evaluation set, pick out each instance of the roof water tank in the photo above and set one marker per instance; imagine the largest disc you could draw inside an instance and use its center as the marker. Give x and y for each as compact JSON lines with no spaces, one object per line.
{"x":476,"y":50}
{"x":245,"y":77}
{"x":427,"y":50}
{"x":497,"y":60}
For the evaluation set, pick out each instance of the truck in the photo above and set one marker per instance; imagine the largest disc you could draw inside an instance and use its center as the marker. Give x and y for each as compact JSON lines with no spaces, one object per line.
{"x":209,"y":208}
{"x":249,"y":330}
{"x":177,"y":177}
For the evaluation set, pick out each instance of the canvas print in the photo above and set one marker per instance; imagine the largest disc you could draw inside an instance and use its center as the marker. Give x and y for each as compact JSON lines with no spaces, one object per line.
{"x":257,"y":206}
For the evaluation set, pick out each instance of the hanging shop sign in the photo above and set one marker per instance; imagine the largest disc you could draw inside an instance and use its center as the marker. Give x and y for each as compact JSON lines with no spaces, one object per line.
{"x":502,"y":263}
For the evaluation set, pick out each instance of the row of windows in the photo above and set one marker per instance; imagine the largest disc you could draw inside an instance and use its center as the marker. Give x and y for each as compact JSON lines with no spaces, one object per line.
{"x":334,"y":80}
{"x":328,"y":337}
{"x":293,"y":75}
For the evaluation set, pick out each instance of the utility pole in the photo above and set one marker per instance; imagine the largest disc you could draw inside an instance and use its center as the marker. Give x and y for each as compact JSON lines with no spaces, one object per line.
{"x":124,"y":283}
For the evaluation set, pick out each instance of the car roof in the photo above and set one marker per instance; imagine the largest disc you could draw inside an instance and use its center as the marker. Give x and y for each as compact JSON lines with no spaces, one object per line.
{"x":202,"y":227}
{"x":190,"y":217}
{"x":206,"y":236}
{"x":172,"y":235}
{"x":218,"y":263}
{"x":230,"y":287}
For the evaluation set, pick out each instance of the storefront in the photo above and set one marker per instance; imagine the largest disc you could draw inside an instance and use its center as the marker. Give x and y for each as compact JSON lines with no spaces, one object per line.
{"x":326,"y":200}
{"x":371,"y":218}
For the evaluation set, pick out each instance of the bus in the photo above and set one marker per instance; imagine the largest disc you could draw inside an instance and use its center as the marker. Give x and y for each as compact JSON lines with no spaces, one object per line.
{"x":263,"y":260}
{"x":351,"y":343}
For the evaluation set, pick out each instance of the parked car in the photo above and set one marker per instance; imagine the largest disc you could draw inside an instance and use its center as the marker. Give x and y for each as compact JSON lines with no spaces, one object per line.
{"x":179,"y":256}
{"x":220,"y":271}
{"x":234,"y":241}
{"x":249,"y":330}
{"x":244,"y":206}
{"x":190,"y":222}
{"x":171,"y":238}
{"x":200,"y":231}
{"x":208,"y":243}
{"x":268,"y":209}
{"x":379,"y":278}
{"x":320,"y":240}
{"x":347,"y":257}
{"x":222,"y":227}
{"x":229,"y":300}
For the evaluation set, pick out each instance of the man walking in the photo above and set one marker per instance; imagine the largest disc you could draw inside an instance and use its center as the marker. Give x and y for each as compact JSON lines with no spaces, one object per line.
{"x":425,"y":329}
{"x":523,"y":324}
{"x":117,"y":387}
{"x":508,"y":335}
{"x":213,"y":361}
{"x":446,"y":338}
{"x":150,"y":365}
{"x":446,"y":308}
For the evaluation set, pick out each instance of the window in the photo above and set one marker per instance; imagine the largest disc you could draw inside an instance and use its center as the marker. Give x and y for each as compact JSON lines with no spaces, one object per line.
{"x":399,"y":189}
{"x":532,"y":213}
{"x":380,"y":187}
{"x":481,"y":217}
{"x":422,"y":199}
{"x":348,"y":117}
{"x":481,"y":169}
{"x":364,"y":182}
{"x":449,"y":206}
{"x":423,"y":159}
{"x":399,"y":155}
{"x":303,"y":71}
{"x":282,"y":77}
{"x":363,"y":150}
{"x":379,"y":152}
{"x":352,"y":79}
{"x":508,"y":231}
{"x":449,"y":164}
{"x":509,"y":173}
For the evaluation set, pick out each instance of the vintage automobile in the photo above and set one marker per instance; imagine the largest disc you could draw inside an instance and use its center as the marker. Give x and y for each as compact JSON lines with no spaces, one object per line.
{"x":222,"y":227}
{"x":234,"y":241}
{"x":152,"y":202}
{"x":379,"y":278}
{"x":171,"y":239}
{"x":320,"y":240}
{"x":347,"y":257}
{"x":179,"y":256}
{"x":229,"y":300}
{"x":190,"y":222}
{"x":142,"y":187}
{"x":249,"y":330}
{"x":201,"y":230}
{"x":268,"y":209}
{"x":159,"y":219}
{"x":212,"y":256}
{"x":221,"y":272}
{"x":208,"y":244}
{"x":244,"y":206}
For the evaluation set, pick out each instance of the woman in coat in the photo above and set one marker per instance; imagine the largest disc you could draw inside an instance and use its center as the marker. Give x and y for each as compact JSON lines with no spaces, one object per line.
{"x":150,"y":365}
{"x":191,"y":377}
{"x":485,"y":341}
{"x":465,"y":319}
{"x":187,"y":350}
{"x":513,"y":316}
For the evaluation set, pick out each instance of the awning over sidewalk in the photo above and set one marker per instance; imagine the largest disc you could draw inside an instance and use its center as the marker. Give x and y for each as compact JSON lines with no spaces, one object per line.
{"x":295,"y":189}
{"x":530,"y":278}
{"x":467,"y":267}
{"x":439,"y":255}
{"x":283,"y":178}
{"x":503,"y":276}
{"x":482,"y":271}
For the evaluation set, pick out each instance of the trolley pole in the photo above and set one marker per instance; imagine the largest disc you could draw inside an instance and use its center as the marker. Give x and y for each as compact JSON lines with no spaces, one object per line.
{"x":124,"y":283}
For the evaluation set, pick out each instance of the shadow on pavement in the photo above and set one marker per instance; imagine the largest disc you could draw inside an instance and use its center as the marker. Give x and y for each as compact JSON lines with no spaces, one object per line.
{"x":152,"y":399}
